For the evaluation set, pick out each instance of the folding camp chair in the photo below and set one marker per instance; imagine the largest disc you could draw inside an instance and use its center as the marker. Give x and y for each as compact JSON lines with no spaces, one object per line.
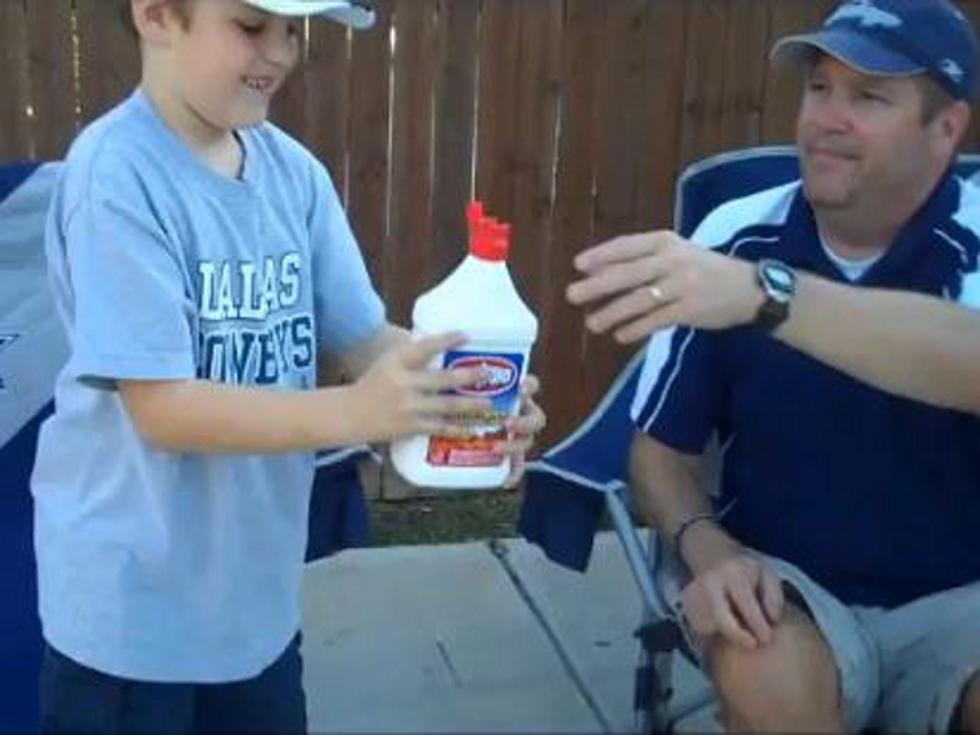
{"x":572,"y":483}
{"x":33,"y":349}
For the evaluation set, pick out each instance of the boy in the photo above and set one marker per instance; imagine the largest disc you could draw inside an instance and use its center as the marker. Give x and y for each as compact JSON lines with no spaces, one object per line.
{"x":202,"y":263}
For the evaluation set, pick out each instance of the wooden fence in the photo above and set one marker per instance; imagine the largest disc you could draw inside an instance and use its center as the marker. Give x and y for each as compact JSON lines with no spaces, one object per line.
{"x":570,"y":118}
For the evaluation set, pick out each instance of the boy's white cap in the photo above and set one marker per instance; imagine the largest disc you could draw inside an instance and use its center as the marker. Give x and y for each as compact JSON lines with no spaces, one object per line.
{"x":349,"y":12}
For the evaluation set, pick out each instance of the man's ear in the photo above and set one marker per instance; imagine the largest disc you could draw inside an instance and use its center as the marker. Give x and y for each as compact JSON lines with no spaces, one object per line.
{"x":952,"y":123}
{"x":155,"y":21}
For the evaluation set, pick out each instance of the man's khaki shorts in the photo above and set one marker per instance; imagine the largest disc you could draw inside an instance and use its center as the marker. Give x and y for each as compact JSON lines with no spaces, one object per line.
{"x":902,"y":669}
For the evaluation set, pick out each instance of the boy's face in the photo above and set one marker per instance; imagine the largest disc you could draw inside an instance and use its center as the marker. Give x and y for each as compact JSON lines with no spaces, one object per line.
{"x":230,"y":59}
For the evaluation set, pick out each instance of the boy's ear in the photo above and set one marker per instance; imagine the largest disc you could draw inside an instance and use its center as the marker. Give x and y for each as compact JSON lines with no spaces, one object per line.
{"x":155,"y":21}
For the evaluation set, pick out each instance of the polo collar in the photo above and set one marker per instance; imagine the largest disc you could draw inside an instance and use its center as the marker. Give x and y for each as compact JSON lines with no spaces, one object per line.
{"x":800,"y":240}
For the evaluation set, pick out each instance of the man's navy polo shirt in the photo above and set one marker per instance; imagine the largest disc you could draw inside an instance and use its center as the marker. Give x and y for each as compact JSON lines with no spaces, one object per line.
{"x":875,"y":496}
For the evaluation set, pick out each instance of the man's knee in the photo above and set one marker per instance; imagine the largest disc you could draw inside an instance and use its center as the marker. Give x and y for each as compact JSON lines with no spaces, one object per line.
{"x":968,"y":717}
{"x":790,"y":684}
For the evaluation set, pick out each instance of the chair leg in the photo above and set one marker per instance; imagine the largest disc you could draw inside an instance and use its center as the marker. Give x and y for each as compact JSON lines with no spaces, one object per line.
{"x":652,"y":691}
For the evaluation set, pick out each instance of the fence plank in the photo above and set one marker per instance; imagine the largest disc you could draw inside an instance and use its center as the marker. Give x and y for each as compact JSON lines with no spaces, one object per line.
{"x":368,"y":142}
{"x":659,"y":148}
{"x":455,"y":91}
{"x":408,"y":252}
{"x":288,"y":108}
{"x":971,"y":140}
{"x":622,"y":88}
{"x":108,"y":57}
{"x":52,"y":77}
{"x":327,"y":85}
{"x":746,"y":60}
{"x":15,"y":128}
{"x":783,"y":82}
{"x":499,"y":50}
{"x":705,"y":79}
{"x":562,"y":341}
{"x":622,"y":93}
{"x":534,"y":147}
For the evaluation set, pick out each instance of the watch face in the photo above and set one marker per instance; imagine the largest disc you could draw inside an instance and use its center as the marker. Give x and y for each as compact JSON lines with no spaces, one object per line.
{"x":779,"y":278}
{"x":780,"y":281}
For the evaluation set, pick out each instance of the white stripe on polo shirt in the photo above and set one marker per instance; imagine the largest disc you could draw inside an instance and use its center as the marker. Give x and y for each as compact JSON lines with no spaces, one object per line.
{"x":768,"y":207}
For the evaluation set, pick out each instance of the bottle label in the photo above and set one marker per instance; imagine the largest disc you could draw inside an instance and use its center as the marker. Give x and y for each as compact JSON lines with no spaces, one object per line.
{"x":501,"y":384}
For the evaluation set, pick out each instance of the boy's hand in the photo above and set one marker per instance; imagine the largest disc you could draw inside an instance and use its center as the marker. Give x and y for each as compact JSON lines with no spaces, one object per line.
{"x":522,"y":430}
{"x":400,"y":395}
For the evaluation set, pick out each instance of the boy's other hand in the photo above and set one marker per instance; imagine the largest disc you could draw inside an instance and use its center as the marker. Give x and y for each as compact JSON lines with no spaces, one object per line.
{"x":401,"y":395}
{"x":523,"y":429}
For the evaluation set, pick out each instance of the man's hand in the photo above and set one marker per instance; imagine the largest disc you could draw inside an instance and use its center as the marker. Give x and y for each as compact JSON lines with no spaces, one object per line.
{"x":659,"y":279}
{"x":734,"y":593}
{"x":522,"y":430}
{"x":400,"y":394}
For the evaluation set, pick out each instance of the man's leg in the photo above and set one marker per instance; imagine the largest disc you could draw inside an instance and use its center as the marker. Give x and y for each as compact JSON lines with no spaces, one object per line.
{"x":790,"y":685}
{"x":272,"y":702}
{"x":930,"y":664}
{"x":820,"y":672}
{"x":967,"y":717}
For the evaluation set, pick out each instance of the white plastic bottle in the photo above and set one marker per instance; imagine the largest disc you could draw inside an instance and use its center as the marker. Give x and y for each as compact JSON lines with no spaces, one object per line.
{"x":479,"y":299}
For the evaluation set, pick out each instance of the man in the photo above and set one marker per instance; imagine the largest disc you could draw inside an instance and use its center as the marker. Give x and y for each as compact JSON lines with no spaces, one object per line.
{"x":872,"y":334}
{"x":839,"y":585}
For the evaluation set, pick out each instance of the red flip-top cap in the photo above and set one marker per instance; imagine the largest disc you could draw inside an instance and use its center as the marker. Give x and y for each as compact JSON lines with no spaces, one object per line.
{"x":474,"y":216}
{"x":492,"y":241}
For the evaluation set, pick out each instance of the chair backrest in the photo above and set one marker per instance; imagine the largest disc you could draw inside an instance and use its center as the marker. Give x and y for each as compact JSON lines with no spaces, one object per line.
{"x":705,"y":185}
{"x":560,"y":511}
{"x":32,"y":350}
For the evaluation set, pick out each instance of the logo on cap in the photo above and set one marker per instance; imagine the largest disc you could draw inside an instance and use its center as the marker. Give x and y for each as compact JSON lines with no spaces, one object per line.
{"x":952,"y":70}
{"x":866,"y":14}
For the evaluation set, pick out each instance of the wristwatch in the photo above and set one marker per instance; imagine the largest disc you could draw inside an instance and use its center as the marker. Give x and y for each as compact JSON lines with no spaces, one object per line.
{"x":778,"y":283}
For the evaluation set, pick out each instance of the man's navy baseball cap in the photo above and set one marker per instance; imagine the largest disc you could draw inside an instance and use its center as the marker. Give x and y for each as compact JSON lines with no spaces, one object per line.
{"x":898,"y":38}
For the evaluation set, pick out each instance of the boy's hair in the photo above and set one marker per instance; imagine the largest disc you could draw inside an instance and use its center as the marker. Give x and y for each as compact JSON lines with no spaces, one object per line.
{"x":126,"y":14}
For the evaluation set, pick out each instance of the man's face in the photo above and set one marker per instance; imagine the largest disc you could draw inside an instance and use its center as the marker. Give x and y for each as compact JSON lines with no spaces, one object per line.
{"x":862,"y":140}
{"x":231,"y":60}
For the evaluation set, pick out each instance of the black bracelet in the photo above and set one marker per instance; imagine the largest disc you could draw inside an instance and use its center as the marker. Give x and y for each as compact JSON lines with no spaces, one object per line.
{"x":683,"y":528}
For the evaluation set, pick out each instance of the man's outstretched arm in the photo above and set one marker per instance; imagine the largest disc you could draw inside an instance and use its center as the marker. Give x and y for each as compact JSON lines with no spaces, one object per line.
{"x":916,"y":346}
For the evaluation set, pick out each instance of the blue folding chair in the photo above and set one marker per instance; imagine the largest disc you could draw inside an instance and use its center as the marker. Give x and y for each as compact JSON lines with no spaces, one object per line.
{"x":33,"y":349}
{"x":586,"y":474}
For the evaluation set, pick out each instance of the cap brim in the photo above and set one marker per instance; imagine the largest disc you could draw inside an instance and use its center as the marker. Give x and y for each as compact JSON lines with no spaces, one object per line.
{"x":353,"y":14}
{"x":857,"y":51}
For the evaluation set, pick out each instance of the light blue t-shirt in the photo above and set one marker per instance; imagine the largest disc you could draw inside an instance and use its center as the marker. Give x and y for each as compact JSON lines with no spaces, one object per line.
{"x":167,"y":566}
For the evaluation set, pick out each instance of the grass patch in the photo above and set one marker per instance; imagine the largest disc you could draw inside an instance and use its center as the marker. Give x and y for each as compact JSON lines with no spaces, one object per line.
{"x":453,"y":518}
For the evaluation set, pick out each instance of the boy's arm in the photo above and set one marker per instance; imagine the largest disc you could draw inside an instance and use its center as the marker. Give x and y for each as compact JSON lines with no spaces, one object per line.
{"x":394,"y":395}
{"x":356,"y":361}
{"x":207,"y":417}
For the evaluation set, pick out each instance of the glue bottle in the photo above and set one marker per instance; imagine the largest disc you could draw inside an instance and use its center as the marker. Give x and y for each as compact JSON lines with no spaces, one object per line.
{"x":480,"y":300}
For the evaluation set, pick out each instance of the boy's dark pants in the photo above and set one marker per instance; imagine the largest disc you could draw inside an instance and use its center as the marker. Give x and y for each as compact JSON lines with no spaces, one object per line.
{"x":77,"y":699}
